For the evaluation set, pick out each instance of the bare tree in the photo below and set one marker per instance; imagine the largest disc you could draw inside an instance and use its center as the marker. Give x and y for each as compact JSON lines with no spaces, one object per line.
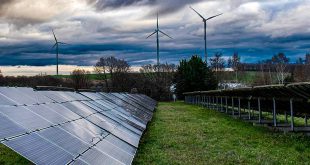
{"x":116,"y":68}
{"x":157,"y":83}
{"x":217,"y":63}
{"x":101,"y":69}
{"x":234,"y":63}
{"x":80,"y":78}
{"x":280,"y":61}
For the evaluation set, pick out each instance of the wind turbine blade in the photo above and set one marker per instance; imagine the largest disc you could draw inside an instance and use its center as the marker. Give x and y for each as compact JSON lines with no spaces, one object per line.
{"x":213,"y":16}
{"x":54,"y":35}
{"x":157,"y":22}
{"x":165,"y":34}
{"x":54,"y":45}
{"x":197,"y":13}
{"x":63,"y":43}
{"x":151,"y":34}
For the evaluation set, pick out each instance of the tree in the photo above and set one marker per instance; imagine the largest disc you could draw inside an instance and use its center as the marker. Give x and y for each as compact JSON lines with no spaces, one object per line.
{"x":280,"y":61}
{"x":307,"y":61}
{"x":80,"y":79}
{"x":116,"y":68}
{"x":217,"y":63}
{"x":235,"y":62}
{"x":157,"y":83}
{"x":194,"y":75}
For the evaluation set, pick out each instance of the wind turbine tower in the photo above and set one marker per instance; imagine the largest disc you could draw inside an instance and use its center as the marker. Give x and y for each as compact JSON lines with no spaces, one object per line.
{"x":204,"y":20}
{"x":157,"y":31}
{"x":57,"y":52}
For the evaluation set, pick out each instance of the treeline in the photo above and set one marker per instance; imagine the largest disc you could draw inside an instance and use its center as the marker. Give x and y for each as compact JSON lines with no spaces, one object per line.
{"x":39,"y":80}
{"x":114,"y":75}
{"x":276,"y":70}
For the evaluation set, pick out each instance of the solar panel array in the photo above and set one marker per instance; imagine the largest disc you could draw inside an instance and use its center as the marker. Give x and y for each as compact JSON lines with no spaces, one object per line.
{"x":62,"y":127}
{"x":281,"y":94}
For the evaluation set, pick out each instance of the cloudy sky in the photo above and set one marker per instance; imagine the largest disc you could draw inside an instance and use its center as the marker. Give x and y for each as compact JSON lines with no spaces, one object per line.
{"x":97,"y":28}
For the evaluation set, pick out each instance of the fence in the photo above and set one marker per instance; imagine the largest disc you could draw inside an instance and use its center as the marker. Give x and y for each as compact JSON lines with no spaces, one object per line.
{"x":257,"y":104}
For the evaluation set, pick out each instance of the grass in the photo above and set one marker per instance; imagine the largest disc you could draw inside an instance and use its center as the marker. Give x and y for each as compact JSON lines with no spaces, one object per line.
{"x":188,"y":134}
{"x":9,"y":157}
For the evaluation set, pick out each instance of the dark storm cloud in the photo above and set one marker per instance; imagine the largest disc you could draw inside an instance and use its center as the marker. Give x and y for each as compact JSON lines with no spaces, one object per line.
{"x":160,"y":6}
{"x":254,"y":29}
{"x":3,"y":5}
{"x":102,"y":4}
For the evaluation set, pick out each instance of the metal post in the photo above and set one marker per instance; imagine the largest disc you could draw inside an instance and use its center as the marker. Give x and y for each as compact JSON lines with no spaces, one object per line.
{"x":233,"y":107}
{"x":249,"y":109}
{"x":274,"y":112}
{"x":213,"y":102}
{"x":221,"y":104}
{"x":306,"y":120}
{"x":239,"y":108}
{"x":217,"y":105}
{"x":226,"y":104}
{"x":259,"y":111}
{"x":286,"y":120}
{"x":292,"y":114}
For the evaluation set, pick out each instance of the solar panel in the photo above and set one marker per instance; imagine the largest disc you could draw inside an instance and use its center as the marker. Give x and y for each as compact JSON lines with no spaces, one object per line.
{"x":17,"y":96}
{"x":4,"y":101}
{"x":25,"y":118}
{"x":67,"y":141}
{"x":57,"y":127}
{"x":39,"y":150}
{"x":48,"y":114}
{"x":96,"y":157}
{"x":8,"y":128}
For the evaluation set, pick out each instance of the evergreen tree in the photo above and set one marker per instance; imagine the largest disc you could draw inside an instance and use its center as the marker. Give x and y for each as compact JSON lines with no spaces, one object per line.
{"x":194,"y":75}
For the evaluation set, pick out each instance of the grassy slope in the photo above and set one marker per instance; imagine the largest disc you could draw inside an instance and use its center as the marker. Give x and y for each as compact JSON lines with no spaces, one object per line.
{"x":9,"y":157}
{"x":186,"y":134}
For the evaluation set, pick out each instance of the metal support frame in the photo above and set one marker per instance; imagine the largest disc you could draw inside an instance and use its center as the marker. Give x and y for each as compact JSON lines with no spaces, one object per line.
{"x":292,"y":114}
{"x":208,"y":104}
{"x":217,"y":103}
{"x":226,"y":100}
{"x":259,"y":111}
{"x":274,"y":112}
{"x":233,"y":107}
{"x":249,"y":109}
{"x":221,"y":104}
{"x":239,"y":108}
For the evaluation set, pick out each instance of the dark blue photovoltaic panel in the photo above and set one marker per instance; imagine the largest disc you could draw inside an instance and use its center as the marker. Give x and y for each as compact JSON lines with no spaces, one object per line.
{"x":96,"y":157}
{"x":64,"y":139}
{"x":17,"y":96}
{"x":48,"y":114}
{"x":4,"y":101}
{"x":25,"y":117}
{"x":8,"y":128}
{"x":39,"y":150}
{"x":61,"y":127}
{"x":115,"y":152}
{"x":65,"y":112}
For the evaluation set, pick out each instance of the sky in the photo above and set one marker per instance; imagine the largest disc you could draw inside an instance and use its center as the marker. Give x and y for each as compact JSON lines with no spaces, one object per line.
{"x":100,"y":28}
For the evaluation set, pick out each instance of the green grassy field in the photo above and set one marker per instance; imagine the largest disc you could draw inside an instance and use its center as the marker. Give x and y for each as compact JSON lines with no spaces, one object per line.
{"x":187,"y":134}
{"x":9,"y":157}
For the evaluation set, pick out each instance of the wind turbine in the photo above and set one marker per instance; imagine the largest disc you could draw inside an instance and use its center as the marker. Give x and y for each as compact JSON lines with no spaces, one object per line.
{"x":57,"y":50}
{"x":204,"y":20}
{"x":157,"y":31}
